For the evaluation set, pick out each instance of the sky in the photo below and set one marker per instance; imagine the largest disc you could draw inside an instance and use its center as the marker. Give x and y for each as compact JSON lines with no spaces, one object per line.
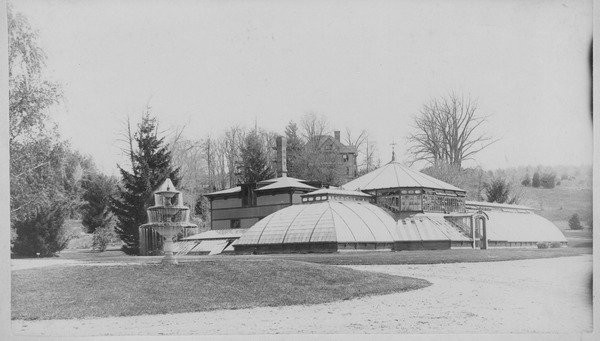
{"x":369,"y":65}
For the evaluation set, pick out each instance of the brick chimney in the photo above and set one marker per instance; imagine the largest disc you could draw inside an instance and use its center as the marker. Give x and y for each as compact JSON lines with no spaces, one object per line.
{"x":281,"y":146}
{"x":336,"y":134}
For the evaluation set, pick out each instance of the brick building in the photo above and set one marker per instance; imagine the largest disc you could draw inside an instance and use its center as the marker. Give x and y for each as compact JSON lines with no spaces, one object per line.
{"x":347,"y":155}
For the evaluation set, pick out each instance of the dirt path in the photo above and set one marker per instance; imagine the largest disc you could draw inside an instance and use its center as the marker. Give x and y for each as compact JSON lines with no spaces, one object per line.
{"x":538,"y":295}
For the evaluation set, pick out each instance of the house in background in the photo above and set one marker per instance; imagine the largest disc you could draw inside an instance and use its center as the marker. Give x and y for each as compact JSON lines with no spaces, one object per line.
{"x":347,"y":154}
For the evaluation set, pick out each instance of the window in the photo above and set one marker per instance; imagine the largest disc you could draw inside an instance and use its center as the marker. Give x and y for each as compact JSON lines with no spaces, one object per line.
{"x":410,"y":203}
{"x":235,"y":224}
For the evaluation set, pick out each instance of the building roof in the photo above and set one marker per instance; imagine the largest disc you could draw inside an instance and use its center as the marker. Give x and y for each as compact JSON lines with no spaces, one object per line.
{"x":493,"y":205}
{"x":396,"y":175}
{"x":269,"y":181}
{"x":336,"y":191}
{"x":521,"y":227}
{"x":327,"y":221}
{"x":337,"y":145}
{"x":231,"y":190}
{"x":285,"y":182}
{"x":217,"y":234}
{"x":429,"y":227}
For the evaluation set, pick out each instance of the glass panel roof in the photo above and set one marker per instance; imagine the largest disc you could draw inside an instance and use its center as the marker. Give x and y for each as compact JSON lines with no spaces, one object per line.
{"x":327,"y":221}
{"x":396,"y":175}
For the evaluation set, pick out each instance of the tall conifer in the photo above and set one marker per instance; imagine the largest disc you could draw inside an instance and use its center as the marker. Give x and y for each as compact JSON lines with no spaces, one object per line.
{"x":254,"y":165}
{"x":294,"y":150}
{"x":151,"y":165}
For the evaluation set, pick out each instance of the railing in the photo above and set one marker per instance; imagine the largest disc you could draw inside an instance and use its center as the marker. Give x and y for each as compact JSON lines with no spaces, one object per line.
{"x":459,"y":223}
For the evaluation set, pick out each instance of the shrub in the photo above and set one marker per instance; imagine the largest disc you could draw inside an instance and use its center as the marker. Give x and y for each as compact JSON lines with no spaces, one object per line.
{"x":555,"y":244}
{"x":103,"y":236}
{"x":542,"y":245}
{"x":496,"y":191}
{"x":535,"y":181}
{"x":43,"y":234}
{"x":526,"y":181}
{"x":500,"y":191}
{"x":574,"y":223}
{"x":548,"y":180}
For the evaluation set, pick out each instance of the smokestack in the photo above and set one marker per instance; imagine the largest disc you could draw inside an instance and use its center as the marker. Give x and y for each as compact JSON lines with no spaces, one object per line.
{"x":336,"y":134}
{"x":281,"y":147}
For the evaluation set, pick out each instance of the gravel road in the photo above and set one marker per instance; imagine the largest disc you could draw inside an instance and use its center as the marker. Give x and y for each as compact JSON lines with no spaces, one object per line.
{"x":525,"y":296}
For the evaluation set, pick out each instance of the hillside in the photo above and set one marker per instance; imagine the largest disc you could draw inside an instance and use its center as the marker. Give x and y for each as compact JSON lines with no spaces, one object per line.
{"x":559,"y":203}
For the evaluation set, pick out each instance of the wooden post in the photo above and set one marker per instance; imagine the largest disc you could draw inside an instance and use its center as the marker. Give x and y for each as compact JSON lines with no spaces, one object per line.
{"x":472,"y":223}
{"x":481,"y":220}
{"x":484,"y":241}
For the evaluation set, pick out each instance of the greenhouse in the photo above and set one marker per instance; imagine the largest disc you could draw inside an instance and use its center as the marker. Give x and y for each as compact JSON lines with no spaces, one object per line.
{"x":391,"y":208}
{"x":328,"y":221}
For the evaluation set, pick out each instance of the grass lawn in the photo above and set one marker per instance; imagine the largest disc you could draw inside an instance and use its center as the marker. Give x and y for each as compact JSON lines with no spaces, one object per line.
{"x":576,"y":247}
{"x":433,"y":256}
{"x":221,"y":283}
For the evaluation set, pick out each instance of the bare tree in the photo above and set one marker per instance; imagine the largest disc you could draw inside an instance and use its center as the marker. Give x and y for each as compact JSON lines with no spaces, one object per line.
{"x":221,"y":162}
{"x":448,"y":130}
{"x":471,"y":180}
{"x":209,"y":155}
{"x":366,"y":150}
{"x":313,"y":126}
{"x":371,"y":159}
{"x":188,"y":155}
{"x":356,"y":141}
{"x":233,"y":139}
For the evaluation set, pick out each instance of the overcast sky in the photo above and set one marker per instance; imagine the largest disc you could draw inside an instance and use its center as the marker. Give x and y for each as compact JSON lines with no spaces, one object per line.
{"x":364,"y":64}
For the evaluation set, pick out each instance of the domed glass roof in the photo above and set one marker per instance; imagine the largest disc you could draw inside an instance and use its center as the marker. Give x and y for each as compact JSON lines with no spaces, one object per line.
{"x":521,"y":227}
{"x":328,"y":221}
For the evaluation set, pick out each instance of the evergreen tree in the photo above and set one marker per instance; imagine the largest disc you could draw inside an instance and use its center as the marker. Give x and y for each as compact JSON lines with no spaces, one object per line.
{"x":574,"y":222}
{"x":254,"y":165}
{"x":526,"y":181}
{"x":43,"y":234}
{"x":150,"y":166}
{"x":535,"y":181}
{"x":97,"y":191}
{"x":497,"y":191}
{"x":293,"y":150}
{"x":548,"y":179}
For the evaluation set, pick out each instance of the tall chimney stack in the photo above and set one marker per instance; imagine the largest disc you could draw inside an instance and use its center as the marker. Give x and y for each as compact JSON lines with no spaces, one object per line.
{"x":281,"y":147}
{"x":336,"y":134}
